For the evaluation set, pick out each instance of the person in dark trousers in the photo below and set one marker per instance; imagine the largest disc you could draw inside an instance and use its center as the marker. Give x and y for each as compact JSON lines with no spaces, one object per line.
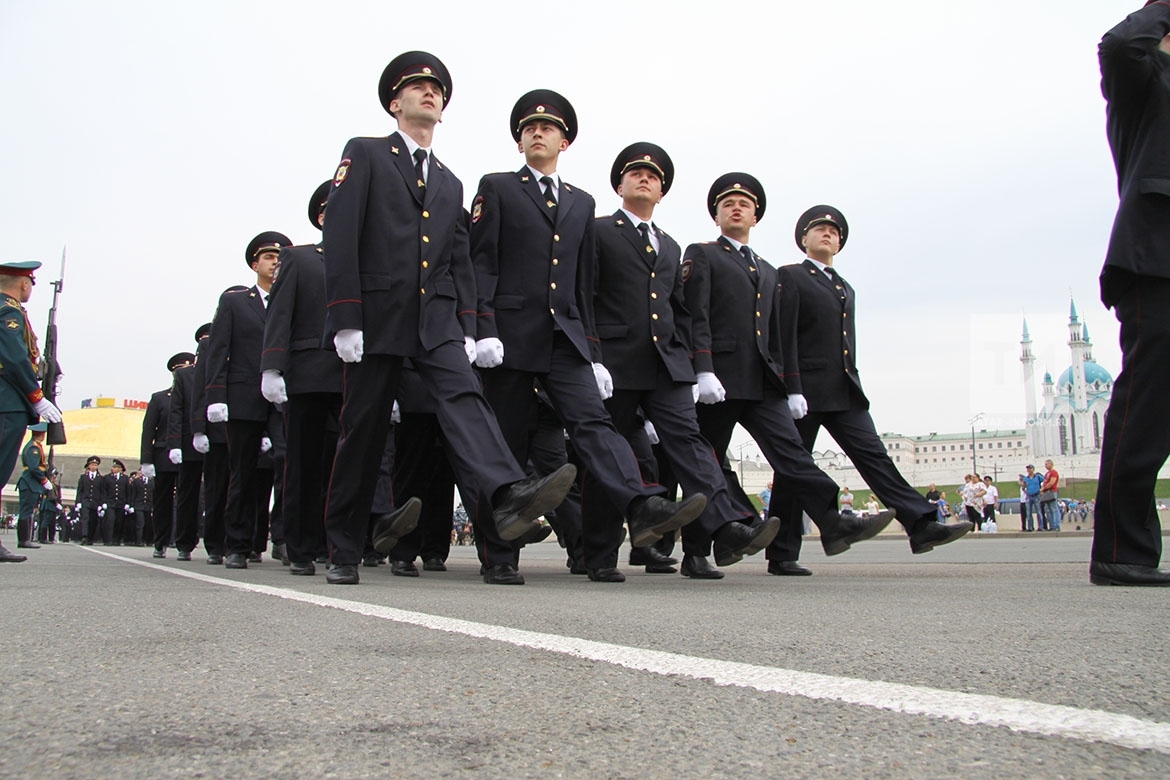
{"x":1135,"y":283}
{"x":188,"y":444}
{"x":156,"y":462}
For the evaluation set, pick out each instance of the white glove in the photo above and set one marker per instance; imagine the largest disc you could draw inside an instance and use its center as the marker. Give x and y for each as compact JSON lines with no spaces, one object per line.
{"x":46,"y":409}
{"x":201,"y":443}
{"x":651,"y":434}
{"x":396,"y":414}
{"x":710,"y":388}
{"x":176,"y":456}
{"x":489,"y":353}
{"x":469,"y":348}
{"x":60,"y":508}
{"x":46,"y":484}
{"x":101,"y":510}
{"x":217,"y":413}
{"x":798,"y":406}
{"x":272,"y":387}
{"x":148,"y":468}
{"x":126,"y":508}
{"x":265,"y":444}
{"x":604,"y":381}
{"x":349,"y":345}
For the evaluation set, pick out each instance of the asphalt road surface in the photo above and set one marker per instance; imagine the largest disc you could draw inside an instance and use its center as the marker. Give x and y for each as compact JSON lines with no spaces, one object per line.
{"x":990,"y":658}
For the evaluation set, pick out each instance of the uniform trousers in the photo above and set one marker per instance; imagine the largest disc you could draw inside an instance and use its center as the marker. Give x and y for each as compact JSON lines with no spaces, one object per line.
{"x":216,"y":468}
{"x":13,"y":429}
{"x":422,"y":470}
{"x":186,"y":505}
{"x":1136,"y":440}
{"x":478,"y":448}
{"x":26,"y":520}
{"x":310,"y":422}
{"x":572,"y":391}
{"x":163,"y":508}
{"x":239,"y":520}
{"x":770,"y":424}
{"x":671,"y":408}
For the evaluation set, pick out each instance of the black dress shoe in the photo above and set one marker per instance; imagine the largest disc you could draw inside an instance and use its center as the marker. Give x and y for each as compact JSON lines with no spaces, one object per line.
{"x":657,"y":516}
{"x":7,"y":556}
{"x":1101,"y":573}
{"x":345,"y":574}
{"x":846,"y":529}
{"x":577,"y":565}
{"x":236,"y":561}
{"x":403,"y":569}
{"x":392,"y":526}
{"x":606,"y":575}
{"x":434,"y":564}
{"x":158,"y":553}
{"x":184,"y":555}
{"x":650,"y":556}
{"x":697,"y":567}
{"x":371,"y":561}
{"x":530,"y":498}
{"x":503,"y":574}
{"x":788,"y":569}
{"x":934,"y":534}
{"x":734,"y":540}
{"x":253,"y":557}
{"x":321,"y":559}
{"x":215,"y":560}
{"x":536,"y":534}
{"x":29,"y":545}
{"x":302,"y":569}
{"x":280,"y":553}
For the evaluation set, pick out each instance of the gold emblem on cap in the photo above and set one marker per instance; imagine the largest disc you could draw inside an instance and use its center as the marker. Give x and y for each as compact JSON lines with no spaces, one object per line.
{"x":736,"y":186}
{"x":427,"y":71}
{"x":540,"y":109}
{"x":646,"y":158}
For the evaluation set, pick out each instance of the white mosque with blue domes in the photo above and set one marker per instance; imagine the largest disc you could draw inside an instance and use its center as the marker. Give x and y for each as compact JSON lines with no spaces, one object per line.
{"x":1072,"y":418}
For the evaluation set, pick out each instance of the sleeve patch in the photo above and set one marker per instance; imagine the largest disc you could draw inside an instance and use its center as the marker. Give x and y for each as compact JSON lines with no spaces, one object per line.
{"x":477,"y":209}
{"x":11,"y":324}
{"x":342,"y":172}
{"x":686,"y":269}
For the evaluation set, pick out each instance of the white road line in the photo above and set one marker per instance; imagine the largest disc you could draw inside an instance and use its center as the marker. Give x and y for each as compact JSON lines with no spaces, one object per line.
{"x":974,"y":709}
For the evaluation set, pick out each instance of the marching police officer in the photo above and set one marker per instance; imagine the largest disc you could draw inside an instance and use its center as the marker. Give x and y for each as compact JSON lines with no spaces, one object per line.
{"x":398,"y":285}
{"x":155,"y":458}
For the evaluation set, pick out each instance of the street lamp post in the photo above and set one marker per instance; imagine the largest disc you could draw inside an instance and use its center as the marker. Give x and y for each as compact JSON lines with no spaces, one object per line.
{"x":974,"y":420}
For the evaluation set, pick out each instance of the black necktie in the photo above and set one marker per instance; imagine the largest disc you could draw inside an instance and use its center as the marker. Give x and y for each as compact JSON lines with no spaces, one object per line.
{"x":549,"y":199}
{"x":420,"y":156}
{"x":644,"y":229}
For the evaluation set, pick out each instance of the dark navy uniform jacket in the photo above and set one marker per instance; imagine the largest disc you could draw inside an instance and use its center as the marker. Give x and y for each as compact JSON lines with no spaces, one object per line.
{"x":639,"y":306}
{"x":232,"y":356}
{"x":534,"y":268}
{"x":156,"y":443}
{"x":293,"y":332}
{"x":818,"y":335}
{"x":398,"y":264}
{"x":734,"y":330}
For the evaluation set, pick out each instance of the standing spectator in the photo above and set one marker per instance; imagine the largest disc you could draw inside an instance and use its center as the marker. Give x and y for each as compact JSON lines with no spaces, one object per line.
{"x":1030,"y":484}
{"x":944,"y":509}
{"x":990,"y":500}
{"x":872,"y":507}
{"x":766,"y":496}
{"x":973,"y":494}
{"x":1049,"y":497}
{"x":932,"y":495}
{"x":845,"y":502}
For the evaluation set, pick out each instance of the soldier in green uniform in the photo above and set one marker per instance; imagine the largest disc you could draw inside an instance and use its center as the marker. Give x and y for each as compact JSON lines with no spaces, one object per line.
{"x":33,"y":485}
{"x":21,"y":399}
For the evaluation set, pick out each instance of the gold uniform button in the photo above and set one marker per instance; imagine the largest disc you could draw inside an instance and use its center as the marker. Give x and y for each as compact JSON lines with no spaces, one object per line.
{"x":553,"y":285}
{"x":425,"y":265}
{"x":423,"y":291}
{"x":552,"y":311}
{"x":426,"y":214}
{"x":844,"y":315}
{"x":758,"y":333}
{"x":654,"y":296}
{"x":757,"y":296}
{"x":556,"y":238}
{"x":757,"y":314}
{"x":656,"y":338}
{"x":426,"y":240}
{"x":555,"y":261}
{"x":653,"y":316}
{"x":652,"y":274}
{"x":843,"y":333}
{"x":846,"y":352}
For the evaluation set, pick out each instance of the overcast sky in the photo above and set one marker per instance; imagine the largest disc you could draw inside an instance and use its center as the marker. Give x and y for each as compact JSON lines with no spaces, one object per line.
{"x":964,"y":142}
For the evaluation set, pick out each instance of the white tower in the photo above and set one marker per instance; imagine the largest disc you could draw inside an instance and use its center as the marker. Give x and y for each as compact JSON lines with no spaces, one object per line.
{"x":1028,"y":360}
{"x":1049,"y":434}
{"x":1080,"y":400}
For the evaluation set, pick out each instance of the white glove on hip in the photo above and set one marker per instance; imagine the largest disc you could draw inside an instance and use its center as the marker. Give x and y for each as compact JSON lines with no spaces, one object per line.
{"x":265,"y":444}
{"x":489,"y":353}
{"x":469,"y":348}
{"x":201,"y":443}
{"x":798,"y":406}
{"x":395,"y":414}
{"x":349,"y":345}
{"x":148,"y":469}
{"x":604,"y":381}
{"x":272,"y":387}
{"x":651,"y":434}
{"x":176,"y":456}
{"x":710,"y":388}
{"x":217,"y":413}
{"x":46,"y":409}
